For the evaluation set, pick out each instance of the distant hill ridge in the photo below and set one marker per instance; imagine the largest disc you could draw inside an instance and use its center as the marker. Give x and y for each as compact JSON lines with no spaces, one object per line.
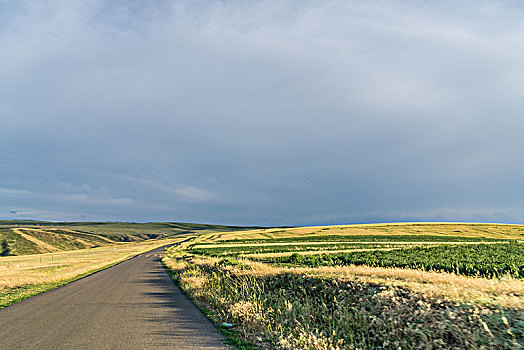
{"x":34,"y":237}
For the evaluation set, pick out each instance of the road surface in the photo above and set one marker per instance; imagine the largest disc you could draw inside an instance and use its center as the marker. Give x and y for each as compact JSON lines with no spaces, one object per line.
{"x":133,"y":305}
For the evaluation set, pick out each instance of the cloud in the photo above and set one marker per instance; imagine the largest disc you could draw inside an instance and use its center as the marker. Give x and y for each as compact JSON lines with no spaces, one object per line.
{"x":86,"y":199}
{"x":195,"y":193}
{"x":263,"y":112}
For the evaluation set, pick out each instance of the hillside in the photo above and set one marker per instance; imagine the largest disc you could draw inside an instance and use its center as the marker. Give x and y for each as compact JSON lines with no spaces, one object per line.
{"x":34,"y":237}
{"x":380,"y":231}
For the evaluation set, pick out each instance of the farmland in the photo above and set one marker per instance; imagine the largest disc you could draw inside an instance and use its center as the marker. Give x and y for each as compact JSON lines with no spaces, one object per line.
{"x":37,"y":256}
{"x":494,"y":260}
{"x":385,"y":286}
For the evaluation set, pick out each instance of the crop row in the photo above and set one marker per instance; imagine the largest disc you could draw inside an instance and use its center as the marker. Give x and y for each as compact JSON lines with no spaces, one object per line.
{"x":366,"y":238}
{"x":483,"y":260}
{"x":234,"y":251}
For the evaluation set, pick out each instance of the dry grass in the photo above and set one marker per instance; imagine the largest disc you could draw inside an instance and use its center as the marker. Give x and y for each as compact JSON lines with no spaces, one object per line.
{"x":508,"y":293}
{"x":22,"y":276}
{"x":498,"y":231}
{"x":345,"y":308}
{"x":353,"y":307}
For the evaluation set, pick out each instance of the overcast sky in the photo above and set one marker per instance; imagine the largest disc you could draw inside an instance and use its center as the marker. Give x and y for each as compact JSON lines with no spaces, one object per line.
{"x":262,"y":112}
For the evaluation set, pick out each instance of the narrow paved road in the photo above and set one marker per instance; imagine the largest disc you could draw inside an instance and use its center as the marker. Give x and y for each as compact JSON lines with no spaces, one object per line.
{"x":133,"y":305}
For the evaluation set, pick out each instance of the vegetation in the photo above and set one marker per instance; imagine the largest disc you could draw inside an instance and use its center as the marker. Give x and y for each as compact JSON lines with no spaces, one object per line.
{"x":408,"y":286}
{"x":5,"y":248}
{"x":35,"y":237}
{"x":388,"y":286}
{"x":24,"y":276}
{"x":247,"y":249}
{"x":484,"y":260}
{"x":366,"y":238}
{"x":18,"y":244}
{"x":289,"y":310}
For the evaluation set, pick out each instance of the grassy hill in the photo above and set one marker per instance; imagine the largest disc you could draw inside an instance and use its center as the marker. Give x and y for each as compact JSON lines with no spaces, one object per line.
{"x":34,"y":237}
{"x":343,"y":232}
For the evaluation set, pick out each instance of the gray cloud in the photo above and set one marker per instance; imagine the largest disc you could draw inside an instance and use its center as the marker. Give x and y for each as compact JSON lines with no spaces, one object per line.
{"x":262,"y":112}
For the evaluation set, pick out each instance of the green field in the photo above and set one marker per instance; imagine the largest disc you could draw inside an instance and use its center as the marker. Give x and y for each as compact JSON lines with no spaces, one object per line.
{"x":248,"y":250}
{"x":491,"y":261}
{"x":434,"y":247}
{"x":383,"y":286}
{"x":366,"y":238}
{"x":319,"y":244}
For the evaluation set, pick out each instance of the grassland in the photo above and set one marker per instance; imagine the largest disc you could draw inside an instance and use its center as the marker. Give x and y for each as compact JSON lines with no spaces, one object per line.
{"x":43,"y":255}
{"x":36,"y":237}
{"x":27,"y":275}
{"x":496,"y":231}
{"x":408,"y":286}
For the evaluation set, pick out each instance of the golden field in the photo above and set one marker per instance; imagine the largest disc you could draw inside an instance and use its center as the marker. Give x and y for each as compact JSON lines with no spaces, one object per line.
{"x":276,"y":304}
{"x":26,"y":275}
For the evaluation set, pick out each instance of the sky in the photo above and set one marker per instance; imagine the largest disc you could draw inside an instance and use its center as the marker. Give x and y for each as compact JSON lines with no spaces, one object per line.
{"x":262,"y":112}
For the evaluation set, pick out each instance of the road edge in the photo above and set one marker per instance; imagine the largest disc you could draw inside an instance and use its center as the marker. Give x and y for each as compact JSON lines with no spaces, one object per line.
{"x":233,"y":338}
{"x":52,"y":286}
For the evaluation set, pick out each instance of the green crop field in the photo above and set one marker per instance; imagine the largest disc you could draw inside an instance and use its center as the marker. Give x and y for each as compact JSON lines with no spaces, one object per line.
{"x":366,"y":238}
{"x":290,"y":248}
{"x":384,"y":286}
{"x":491,"y":261}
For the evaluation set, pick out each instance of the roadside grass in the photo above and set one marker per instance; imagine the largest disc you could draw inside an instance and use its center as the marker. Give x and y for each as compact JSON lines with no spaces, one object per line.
{"x":28,"y":275}
{"x":392,"y":286}
{"x":233,"y":337}
{"x":303,"y":309}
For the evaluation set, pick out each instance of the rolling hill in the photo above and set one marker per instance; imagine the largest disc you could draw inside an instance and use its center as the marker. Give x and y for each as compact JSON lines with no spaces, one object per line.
{"x":34,"y":237}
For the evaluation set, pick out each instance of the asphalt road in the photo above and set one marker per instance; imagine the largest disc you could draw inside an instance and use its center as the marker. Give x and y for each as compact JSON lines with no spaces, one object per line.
{"x":133,"y":305}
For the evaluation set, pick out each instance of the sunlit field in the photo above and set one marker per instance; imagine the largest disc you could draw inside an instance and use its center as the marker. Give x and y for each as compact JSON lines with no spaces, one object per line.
{"x":26,"y":275}
{"x":36,"y":256}
{"x":388,"y":286}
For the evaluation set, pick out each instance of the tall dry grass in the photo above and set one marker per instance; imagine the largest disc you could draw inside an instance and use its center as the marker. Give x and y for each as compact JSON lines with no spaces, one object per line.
{"x":328,"y":309}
